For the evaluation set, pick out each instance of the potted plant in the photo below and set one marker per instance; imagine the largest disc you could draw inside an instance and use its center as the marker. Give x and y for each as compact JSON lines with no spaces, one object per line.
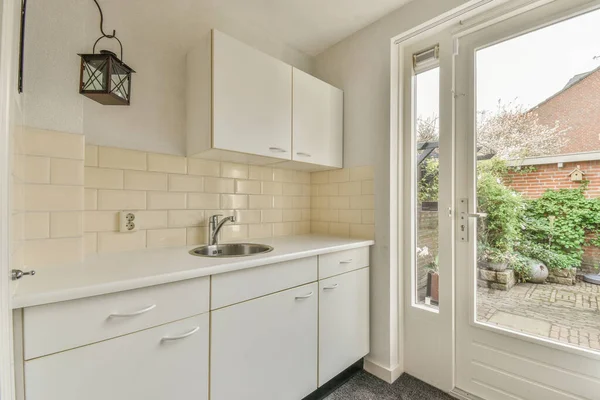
{"x":433,"y":280}
{"x":492,"y":258}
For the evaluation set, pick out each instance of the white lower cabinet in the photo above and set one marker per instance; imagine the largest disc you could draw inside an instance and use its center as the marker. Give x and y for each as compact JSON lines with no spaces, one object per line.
{"x":343,"y":322}
{"x":266,"y":349}
{"x":166,"y":362}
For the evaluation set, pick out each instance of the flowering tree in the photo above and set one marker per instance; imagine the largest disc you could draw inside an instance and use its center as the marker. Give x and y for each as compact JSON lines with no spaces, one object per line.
{"x":513,"y":133}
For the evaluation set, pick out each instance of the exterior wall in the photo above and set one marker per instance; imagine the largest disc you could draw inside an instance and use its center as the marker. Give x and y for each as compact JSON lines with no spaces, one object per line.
{"x":577,"y":109}
{"x":533,"y":181}
{"x":428,"y":229}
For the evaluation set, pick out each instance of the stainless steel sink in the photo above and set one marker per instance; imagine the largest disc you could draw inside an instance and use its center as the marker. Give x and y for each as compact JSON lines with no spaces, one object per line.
{"x":231,"y":250}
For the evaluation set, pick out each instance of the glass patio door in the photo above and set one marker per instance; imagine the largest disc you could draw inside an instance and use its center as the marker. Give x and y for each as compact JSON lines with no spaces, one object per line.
{"x":527,"y":208}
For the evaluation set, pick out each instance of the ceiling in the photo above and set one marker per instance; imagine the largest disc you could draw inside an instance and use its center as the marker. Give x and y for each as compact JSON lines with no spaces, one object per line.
{"x":310,"y":26}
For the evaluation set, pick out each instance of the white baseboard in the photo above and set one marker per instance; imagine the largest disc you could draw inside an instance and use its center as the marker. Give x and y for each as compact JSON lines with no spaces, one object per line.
{"x":385,"y":374}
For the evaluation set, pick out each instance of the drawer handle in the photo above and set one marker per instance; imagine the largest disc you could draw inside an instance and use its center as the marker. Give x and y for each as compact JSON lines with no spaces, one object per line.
{"x":335,"y":285}
{"x":183,"y":336}
{"x":303,"y":154}
{"x":346,"y":261}
{"x":133,"y":314}
{"x":306,"y":296}
{"x":277,"y":149}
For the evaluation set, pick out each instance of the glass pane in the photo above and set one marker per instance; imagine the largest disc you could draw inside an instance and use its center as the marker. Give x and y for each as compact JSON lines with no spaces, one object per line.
{"x":427,"y":88}
{"x":538,"y":180}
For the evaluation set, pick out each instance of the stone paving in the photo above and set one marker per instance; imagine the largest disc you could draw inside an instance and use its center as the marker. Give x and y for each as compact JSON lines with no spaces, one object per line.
{"x":568,"y":314}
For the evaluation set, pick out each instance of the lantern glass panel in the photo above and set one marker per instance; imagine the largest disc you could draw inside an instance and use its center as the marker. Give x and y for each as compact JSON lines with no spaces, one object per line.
{"x":120,"y":77}
{"x":95,"y":73}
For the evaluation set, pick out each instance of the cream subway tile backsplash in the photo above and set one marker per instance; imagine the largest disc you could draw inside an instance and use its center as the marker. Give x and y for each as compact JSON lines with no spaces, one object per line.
{"x":103,"y":178}
{"x":203,"y":167}
{"x":36,"y":225}
{"x":167,"y":163}
{"x":66,"y":224}
{"x":71,"y":195}
{"x":66,"y":172}
{"x":166,"y":201}
{"x":32,"y":169}
{"x":185,"y":218}
{"x":121,"y":200}
{"x":343,"y":202}
{"x":203,"y":201}
{"x":52,"y":198}
{"x":110,"y":242}
{"x":166,"y":237}
{"x":186,"y":183}
{"x":140,"y":180}
{"x":173,"y":197}
{"x":91,"y":155}
{"x":39,"y":142}
{"x":111,"y":157}
{"x":229,"y":170}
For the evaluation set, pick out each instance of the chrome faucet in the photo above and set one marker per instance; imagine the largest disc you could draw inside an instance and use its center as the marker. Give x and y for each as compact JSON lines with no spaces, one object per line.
{"x":214,"y":227}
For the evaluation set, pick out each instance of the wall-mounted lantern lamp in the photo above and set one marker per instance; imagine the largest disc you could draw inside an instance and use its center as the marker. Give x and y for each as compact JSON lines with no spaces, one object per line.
{"x":104,"y":77}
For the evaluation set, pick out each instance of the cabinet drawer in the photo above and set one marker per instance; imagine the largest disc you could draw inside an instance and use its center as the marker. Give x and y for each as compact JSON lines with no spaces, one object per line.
{"x":343,"y":261}
{"x":235,"y":287}
{"x":139,"y":366}
{"x":60,"y":326}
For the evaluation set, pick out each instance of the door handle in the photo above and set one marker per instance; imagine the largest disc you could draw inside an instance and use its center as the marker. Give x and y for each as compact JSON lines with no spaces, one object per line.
{"x":303,"y":154}
{"x":335,"y":285}
{"x":477,"y":215}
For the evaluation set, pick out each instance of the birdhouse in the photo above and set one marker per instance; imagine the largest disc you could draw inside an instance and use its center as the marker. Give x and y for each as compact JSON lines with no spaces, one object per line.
{"x":576,"y":175}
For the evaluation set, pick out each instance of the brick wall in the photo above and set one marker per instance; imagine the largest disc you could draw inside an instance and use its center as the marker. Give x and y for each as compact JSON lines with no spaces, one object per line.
{"x":534,"y":183}
{"x":576,"y":108}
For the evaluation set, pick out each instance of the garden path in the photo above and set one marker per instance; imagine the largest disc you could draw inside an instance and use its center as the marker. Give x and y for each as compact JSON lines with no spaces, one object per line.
{"x":568,"y":314}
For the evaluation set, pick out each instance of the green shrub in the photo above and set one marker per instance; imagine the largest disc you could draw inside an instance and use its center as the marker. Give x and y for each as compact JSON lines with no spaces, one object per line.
{"x":555,"y":226}
{"x":501,"y":229}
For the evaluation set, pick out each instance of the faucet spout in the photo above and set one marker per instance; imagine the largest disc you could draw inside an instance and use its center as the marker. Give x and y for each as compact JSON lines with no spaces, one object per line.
{"x":214,"y":227}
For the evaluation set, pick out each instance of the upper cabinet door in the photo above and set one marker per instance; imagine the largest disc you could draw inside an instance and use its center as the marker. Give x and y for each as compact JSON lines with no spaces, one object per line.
{"x":252,"y":100}
{"x":317,"y":121}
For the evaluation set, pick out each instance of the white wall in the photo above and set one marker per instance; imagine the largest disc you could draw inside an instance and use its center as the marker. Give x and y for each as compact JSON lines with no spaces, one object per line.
{"x":155,"y":37}
{"x":360,"y":65}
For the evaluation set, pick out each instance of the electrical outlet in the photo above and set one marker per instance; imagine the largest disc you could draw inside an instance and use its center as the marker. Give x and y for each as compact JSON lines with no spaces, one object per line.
{"x":128,"y":221}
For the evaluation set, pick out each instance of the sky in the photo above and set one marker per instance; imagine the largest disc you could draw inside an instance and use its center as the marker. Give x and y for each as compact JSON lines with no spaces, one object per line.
{"x":527,"y":69}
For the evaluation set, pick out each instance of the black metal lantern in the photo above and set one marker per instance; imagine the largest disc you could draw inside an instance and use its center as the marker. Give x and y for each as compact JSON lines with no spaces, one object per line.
{"x":104,"y":77}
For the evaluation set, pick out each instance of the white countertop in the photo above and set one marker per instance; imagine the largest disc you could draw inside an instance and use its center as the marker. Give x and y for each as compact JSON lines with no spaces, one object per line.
{"x":115,"y":272}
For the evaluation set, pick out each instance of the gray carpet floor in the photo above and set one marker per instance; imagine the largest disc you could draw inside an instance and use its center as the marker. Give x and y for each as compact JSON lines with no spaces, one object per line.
{"x":364,"y":386}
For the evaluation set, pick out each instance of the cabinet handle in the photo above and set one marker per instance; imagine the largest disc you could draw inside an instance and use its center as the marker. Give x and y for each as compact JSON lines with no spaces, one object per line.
{"x":306,"y":296}
{"x":303,"y":154}
{"x":346,"y":261}
{"x":335,"y":285}
{"x":133,"y":314}
{"x":183,"y":336}
{"x":277,"y":149}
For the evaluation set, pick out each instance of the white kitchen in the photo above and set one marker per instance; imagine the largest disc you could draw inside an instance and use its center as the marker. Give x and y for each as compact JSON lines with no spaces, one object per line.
{"x":213,"y":200}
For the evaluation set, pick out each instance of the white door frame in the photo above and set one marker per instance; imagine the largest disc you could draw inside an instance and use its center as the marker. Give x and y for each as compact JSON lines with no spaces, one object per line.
{"x":8,"y":94}
{"x":415,"y":350}
{"x":492,"y":362}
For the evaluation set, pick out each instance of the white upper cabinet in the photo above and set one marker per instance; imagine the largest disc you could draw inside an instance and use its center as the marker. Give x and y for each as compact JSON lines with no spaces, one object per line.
{"x":248,"y":107}
{"x":248,"y":95}
{"x":317,"y":121}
